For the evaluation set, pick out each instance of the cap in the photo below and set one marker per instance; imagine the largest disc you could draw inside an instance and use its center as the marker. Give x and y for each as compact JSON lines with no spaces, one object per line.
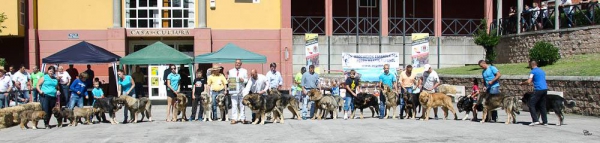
{"x":427,"y":66}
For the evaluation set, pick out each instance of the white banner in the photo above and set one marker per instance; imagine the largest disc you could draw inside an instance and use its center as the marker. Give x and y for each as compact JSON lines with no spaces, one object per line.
{"x":370,"y":65}
{"x":312,"y":50}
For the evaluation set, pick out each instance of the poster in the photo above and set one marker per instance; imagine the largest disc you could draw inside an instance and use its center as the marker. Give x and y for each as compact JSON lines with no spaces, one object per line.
{"x":232,"y":86}
{"x":154,"y":81}
{"x":370,"y":65}
{"x":312,"y":50}
{"x":420,"y":51}
{"x":154,"y":71}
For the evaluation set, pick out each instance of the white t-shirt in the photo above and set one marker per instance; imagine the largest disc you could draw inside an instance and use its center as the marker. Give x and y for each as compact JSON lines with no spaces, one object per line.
{"x":21,"y":78}
{"x":237,"y":74}
{"x":430,"y":79}
{"x":260,"y":84}
{"x":5,"y":83}
{"x":64,"y":77}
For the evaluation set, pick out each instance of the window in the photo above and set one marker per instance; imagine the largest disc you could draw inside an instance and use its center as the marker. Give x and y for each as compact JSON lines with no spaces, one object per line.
{"x":22,"y":12}
{"x":369,"y":3}
{"x":159,"y":13}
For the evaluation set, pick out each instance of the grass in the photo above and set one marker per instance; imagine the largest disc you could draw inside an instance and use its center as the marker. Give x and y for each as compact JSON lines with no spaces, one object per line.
{"x":578,"y":65}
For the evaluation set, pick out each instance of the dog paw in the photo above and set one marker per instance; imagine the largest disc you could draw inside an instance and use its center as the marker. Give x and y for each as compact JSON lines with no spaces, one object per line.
{"x":482,"y":122}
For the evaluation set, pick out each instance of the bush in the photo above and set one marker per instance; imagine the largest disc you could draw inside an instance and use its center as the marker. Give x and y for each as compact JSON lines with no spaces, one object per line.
{"x":487,"y":40}
{"x":2,"y":62}
{"x":544,"y":53}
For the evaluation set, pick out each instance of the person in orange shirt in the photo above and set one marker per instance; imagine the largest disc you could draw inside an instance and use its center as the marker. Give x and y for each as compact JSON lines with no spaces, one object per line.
{"x":407,"y":82}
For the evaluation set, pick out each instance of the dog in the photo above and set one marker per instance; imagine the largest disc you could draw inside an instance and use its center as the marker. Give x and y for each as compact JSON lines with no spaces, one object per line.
{"x":411,"y":104}
{"x":31,"y":115}
{"x":508,"y":103}
{"x":391,"y":101}
{"x":554,"y":103}
{"x":365,"y":100}
{"x":85,"y":113}
{"x":206,"y":102}
{"x":107,"y":105}
{"x":466,"y":104}
{"x":61,"y":114}
{"x":260,"y":105}
{"x":222,"y":102}
{"x":287,"y":101}
{"x":180,"y":106}
{"x":137,"y":106}
{"x":434,"y":100}
{"x":327,"y":104}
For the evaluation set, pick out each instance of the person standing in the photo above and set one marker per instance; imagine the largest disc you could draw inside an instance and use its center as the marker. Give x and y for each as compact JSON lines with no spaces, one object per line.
{"x":89,"y":83}
{"x":199,"y":87}
{"x":5,"y":88}
{"x":21,"y":80}
{"x":78,"y":90}
{"x":490,"y":75}
{"x":310,"y":81}
{"x":64,"y":79}
{"x":274,"y":77}
{"x":407,"y":82}
{"x":351,"y":89}
{"x":430,"y":81}
{"x":35,"y":76}
{"x":217,"y":84}
{"x":385,"y":79}
{"x":98,"y":94}
{"x":185,"y":77}
{"x":48,"y":89}
{"x":258,"y":84}
{"x":138,"y":77}
{"x":73,"y":72}
{"x":173,"y":87}
{"x":125,"y":85}
{"x":537,"y":77}
{"x":166,"y":75}
{"x":238,"y":77}
{"x":474,"y":95}
{"x":297,"y":89}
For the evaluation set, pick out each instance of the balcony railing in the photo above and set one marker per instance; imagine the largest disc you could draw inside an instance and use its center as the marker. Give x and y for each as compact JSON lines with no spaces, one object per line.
{"x":460,"y":27}
{"x":308,"y":24}
{"x":413,"y":25}
{"x":349,"y":25}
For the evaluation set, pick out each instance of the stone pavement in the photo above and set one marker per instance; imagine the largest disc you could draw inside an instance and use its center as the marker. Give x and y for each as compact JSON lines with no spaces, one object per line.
{"x":352,"y":130}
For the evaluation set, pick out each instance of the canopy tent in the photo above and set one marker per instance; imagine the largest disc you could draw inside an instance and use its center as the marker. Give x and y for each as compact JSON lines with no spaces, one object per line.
{"x":229,"y":53}
{"x":82,"y":53}
{"x":158,"y":53}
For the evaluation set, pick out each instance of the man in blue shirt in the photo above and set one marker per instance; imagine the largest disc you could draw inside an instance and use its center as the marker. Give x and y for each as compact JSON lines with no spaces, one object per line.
{"x":537,"y":76}
{"x":490,"y":74}
{"x":389,"y":80}
{"x":310,"y":80}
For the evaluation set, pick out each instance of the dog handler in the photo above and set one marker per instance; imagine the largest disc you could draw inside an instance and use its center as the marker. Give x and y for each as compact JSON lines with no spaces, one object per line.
{"x":351,"y":87}
{"x":407,"y":80}
{"x":490,"y":74}
{"x":387,"y":79}
{"x":258,"y":84}
{"x":430,"y":81}
{"x":241,"y":77}
{"x":126,"y":85}
{"x":48,"y":89}
{"x":538,"y":77}
{"x":217,"y":84}
{"x":310,"y":81}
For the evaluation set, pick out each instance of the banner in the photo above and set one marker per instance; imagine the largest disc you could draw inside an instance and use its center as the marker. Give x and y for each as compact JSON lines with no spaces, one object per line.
{"x":312,"y":50}
{"x":370,"y":65}
{"x":420,"y":51}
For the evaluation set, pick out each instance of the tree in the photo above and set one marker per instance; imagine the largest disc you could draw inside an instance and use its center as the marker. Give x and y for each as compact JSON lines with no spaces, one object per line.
{"x":2,"y":18}
{"x":487,"y":40}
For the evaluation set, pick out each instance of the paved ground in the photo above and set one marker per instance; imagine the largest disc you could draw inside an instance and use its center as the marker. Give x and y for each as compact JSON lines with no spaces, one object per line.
{"x":366,"y":130}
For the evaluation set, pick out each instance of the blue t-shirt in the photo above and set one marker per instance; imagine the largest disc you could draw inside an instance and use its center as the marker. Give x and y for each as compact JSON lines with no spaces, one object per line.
{"x":488,"y":75}
{"x":49,"y":86}
{"x":126,"y":84}
{"x":388,"y":79}
{"x":78,"y":85}
{"x":538,"y":77}
{"x":174,"y":78}
{"x":97,"y":92}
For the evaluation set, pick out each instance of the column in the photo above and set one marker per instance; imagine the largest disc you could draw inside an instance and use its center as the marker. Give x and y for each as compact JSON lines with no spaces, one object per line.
{"x":499,"y":14}
{"x":437,"y":17}
{"x":286,"y":66}
{"x":488,"y":9}
{"x":33,"y":53}
{"x":519,"y":11}
{"x":201,"y":14}
{"x":556,"y":18}
{"x":328,"y":17}
{"x":384,"y":27}
{"x":116,"y":13}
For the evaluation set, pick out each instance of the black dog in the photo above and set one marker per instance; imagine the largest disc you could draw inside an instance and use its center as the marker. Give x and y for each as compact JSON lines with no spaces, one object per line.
{"x":107,"y":105}
{"x":365,"y":100}
{"x":412,"y":104}
{"x":553,"y":103}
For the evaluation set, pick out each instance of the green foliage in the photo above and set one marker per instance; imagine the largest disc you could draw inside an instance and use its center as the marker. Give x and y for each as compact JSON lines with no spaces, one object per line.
{"x":544,"y":53}
{"x":487,"y":40}
{"x":579,"y":18}
{"x":2,"y":18}
{"x":2,"y":62}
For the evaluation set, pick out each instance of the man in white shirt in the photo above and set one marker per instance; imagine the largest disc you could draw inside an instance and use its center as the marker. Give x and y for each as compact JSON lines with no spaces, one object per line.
{"x":274,"y":77}
{"x":21,"y":79}
{"x":64,"y":79}
{"x":430,"y":81}
{"x":238,"y":76}
{"x":258,"y":84}
{"x":5,"y":87}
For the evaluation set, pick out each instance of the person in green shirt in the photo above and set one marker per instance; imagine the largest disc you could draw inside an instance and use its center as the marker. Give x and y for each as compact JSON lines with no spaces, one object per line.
{"x":297,"y":89}
{"x":35,"y":76}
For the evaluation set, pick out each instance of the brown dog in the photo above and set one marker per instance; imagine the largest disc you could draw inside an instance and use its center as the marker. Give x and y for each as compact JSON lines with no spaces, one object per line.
{"x":286,"y":101}
{"x":31,"y":115}
{"x":61,"y":114}
{"x":508,"y":103}
{"x":180,"y":106}
{"x":137,"y":106}
{"x":206,"y":106}
{"x":315,"y":95}
{"x":434,"y":100}
{"x":391,"y":102}
{"x":327,"y":104}
{"x":222,"y":104}
{"x":261,"y":105}
{"x":85,"y":113}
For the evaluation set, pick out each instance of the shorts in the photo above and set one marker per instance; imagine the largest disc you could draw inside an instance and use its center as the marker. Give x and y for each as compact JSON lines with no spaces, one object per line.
{"x":171,"y":94}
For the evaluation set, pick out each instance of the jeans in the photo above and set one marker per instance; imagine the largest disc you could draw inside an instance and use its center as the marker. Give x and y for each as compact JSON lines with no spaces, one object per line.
{"x":305,"y":104}
{"x":348,"y":105}
{"x":36,"y":95}
{"x":213,"y":96}
{"x":538,"y":99}
{"x":569,"y":15}
{"x":195,"y":109}
{"x":24,"y":96}
{"x":381,"y":105}
{"x":2,"y":100}
{"x":76,"y":99}
{"x":64,"y":92}
{"x":126,"y":111}
{"x":493,"y":91}
{"x":47,"y":103}
{"x":237,"y":108}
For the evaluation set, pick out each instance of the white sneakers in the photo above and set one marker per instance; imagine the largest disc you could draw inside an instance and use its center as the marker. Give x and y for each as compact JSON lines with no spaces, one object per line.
{"x":345,"y":116}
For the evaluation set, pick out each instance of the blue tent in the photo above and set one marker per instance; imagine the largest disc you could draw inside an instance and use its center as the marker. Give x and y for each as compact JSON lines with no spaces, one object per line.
{"x":82,"y":53}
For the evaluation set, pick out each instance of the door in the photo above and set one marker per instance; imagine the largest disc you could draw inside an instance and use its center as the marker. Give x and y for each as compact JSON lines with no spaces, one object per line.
{"x":156,"y":85}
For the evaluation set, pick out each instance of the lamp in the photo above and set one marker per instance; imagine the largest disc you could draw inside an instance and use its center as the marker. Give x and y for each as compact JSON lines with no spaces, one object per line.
{"x":286,"y":54}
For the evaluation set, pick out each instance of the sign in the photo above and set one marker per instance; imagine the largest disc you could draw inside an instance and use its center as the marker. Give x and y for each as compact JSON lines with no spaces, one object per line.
{"x":73,"y":36}
{"x":370,"y":65}
{"x":154,"y":81}
{"x":420,"y":51}
{"x":312,"y":50}
{"x":154,"y":71}
{"x":159,"y":32}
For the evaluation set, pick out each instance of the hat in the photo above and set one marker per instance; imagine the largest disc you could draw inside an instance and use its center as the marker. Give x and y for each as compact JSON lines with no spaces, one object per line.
{"x":427,"y":66}
{"x":215,"y":67}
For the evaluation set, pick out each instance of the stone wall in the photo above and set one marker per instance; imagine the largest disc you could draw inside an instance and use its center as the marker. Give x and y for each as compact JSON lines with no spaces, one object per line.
{"x":572,"y":41}
{"x":585,"y":91}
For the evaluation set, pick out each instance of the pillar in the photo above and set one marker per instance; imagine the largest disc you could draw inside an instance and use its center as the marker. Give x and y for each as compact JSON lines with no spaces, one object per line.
{"x":499,"y":12}
{"x":437,"y":17}
{"x":519,"y":11}
{"x":328,"y":17}
{"x":384,"y":27}
{"x":286,"y":65}
{"x":32,"y":44}
{"x":201,"y":14}
{"x":556,"y":18}
{"x":488,"y":12}
{"x":117,"y":13}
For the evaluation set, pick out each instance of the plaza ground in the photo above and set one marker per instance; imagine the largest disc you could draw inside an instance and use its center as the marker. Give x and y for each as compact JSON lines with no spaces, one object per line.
{"x":355,"y":130}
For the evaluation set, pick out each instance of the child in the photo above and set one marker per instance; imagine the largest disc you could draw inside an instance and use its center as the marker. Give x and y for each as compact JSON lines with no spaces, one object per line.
{"x":473,"y":96}
{"x":199,"y":86}
{"x":335,"y":89}
{"x":98,"y":93}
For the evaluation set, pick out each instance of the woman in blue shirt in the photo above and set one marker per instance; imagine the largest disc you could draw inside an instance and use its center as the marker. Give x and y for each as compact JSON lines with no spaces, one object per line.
{"x":172,"y":90}
{"x":126,"y":84}
{"x":78,"y":90}
{"x":47,"y":88}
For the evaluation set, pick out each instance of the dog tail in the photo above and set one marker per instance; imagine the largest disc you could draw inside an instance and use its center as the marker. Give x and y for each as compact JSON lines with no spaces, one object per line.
{"x":569,"y":103}
{"x":515,"y":101}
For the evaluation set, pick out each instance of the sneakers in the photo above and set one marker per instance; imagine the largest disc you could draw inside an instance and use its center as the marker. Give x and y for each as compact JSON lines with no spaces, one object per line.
{"x":345,"y":116}
{"x":534,"y":123}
